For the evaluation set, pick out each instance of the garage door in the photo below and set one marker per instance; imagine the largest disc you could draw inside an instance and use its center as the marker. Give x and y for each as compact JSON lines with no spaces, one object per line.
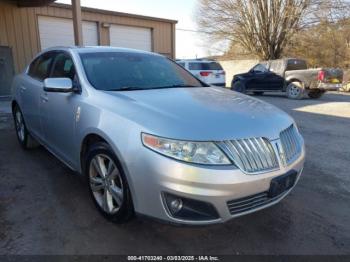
{"x":131,"y":37}
{"x":59,"y":32}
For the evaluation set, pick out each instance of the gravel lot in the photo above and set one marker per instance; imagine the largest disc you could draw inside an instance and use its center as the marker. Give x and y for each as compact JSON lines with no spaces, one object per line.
{"x":45,"y":208}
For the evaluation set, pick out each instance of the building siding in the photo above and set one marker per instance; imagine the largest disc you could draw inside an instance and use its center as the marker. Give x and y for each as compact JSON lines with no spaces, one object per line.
{"x":19,"y":29}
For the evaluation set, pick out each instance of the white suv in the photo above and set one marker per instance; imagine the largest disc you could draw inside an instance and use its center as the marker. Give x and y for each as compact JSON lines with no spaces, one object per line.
{"x":208,"y":71}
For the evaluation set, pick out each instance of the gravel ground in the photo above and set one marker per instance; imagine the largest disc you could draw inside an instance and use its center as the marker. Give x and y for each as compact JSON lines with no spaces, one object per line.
{"x":45,"y":208}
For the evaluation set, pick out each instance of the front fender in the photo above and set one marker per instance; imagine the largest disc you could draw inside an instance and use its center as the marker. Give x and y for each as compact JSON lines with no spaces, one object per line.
{"x":242,"y":84}
{"x":121,"y":134}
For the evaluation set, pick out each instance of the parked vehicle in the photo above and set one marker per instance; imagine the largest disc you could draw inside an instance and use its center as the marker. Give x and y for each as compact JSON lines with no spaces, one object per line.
{"x":152,"y":139}
{"x":290,"y":76}
{"x":207,"y":71}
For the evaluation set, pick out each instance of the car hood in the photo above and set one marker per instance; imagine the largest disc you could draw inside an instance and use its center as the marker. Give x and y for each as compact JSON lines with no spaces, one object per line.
{"x":201,"y":114}
{"x":241,"y":75}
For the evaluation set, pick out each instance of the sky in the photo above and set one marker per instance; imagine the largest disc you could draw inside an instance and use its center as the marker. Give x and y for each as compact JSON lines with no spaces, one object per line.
{"x":189,"y":44}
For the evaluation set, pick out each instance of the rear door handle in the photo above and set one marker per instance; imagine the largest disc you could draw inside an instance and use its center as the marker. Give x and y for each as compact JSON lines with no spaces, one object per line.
{"x":23,"y":88}
{"x":44,"y":98}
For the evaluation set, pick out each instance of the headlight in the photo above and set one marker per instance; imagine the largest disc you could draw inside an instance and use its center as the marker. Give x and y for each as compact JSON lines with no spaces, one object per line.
{"x":194,"y":152}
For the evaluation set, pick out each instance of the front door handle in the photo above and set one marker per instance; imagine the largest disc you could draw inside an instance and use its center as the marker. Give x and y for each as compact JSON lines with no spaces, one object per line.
{"x":22,"y":89}
{"x":44,"y":98}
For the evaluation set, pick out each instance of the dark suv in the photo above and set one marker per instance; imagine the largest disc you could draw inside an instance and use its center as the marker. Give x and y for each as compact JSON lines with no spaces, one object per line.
{"x":288,"y":75}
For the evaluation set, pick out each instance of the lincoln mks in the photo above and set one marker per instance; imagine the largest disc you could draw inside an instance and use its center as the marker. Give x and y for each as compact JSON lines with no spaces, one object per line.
{"x":152,"y":139}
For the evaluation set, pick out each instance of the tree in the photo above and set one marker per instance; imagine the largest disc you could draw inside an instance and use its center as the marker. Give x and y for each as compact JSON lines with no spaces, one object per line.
{"x":263,"y":27}
{"x":323,"y":45}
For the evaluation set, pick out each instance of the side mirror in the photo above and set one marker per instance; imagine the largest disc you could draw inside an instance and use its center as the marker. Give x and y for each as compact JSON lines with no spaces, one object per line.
{"x":60,"y":85}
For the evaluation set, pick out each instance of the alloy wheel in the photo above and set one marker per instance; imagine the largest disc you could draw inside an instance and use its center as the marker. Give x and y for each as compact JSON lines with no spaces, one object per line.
{"x":20,"y":128}
{"x":106,"y":183}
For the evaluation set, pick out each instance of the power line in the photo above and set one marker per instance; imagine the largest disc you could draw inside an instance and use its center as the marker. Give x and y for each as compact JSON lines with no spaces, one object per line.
{"x":192,"y":30}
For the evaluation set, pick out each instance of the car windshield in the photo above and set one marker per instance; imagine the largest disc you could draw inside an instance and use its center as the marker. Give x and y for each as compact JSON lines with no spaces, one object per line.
{"x":117,"y":71}
{"x":260,"y":68}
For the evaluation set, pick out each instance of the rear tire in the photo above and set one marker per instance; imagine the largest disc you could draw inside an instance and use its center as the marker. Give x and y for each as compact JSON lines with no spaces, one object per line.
{"x":316,"y":93}
{"x":258,"y":93}
{"x":295,"y":90}
{"x":22,"y":133}
{"x":107,"y":184}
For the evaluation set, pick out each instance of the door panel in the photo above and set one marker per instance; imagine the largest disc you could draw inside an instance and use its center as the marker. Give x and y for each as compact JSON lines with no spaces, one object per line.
{"x":274,"y":81}
{"x":59,"y":112}
{"x":30,"y":92}
{"x":257,"y":77}
{"x":58,"y":122}
{"x":256,"y":81}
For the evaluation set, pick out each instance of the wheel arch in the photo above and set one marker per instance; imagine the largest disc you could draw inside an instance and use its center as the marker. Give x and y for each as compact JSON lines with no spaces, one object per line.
{"x":94,"y":136}
{"x":242,"y":82}
{"x":293,"y":79}
{"x":237,"y":78}
{"x":86,"y":143}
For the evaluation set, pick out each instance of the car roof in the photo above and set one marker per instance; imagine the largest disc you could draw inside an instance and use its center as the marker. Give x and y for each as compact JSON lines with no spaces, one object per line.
{"x":94,"y":49}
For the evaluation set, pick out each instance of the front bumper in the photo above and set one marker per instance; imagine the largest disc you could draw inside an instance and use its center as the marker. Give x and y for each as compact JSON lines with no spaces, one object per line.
{"x":211,"y":184}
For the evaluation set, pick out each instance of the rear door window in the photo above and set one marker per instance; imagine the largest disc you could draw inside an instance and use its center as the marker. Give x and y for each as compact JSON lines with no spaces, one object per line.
{"x":205,"y":66}
{"x":40,"y":67}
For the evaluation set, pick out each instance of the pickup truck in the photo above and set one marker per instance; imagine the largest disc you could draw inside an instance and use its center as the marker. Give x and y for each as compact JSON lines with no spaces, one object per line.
{"x":288,"y":75}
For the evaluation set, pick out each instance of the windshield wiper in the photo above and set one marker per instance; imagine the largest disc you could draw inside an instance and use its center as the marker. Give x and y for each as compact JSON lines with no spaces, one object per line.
{"x":132,"y":88}
{"x":126,"y":88}
{"x":173,"y":86}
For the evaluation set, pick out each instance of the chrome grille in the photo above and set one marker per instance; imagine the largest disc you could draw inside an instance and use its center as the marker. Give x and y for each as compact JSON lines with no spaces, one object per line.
{"x":250,"y":202}
{"x":291,"y":143}
{"x":251,"y":155}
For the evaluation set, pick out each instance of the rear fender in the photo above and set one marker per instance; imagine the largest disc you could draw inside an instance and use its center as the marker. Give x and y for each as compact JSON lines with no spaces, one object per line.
{"x":291,"y":79}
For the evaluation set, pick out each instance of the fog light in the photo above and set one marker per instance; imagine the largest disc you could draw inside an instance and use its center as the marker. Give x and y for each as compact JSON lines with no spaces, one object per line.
{"x":189,"y":209}
{"x":175,"y":205}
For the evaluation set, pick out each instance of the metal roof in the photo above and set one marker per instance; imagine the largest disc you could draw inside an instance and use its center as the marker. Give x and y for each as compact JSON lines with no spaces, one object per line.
{"x":115,"y":13}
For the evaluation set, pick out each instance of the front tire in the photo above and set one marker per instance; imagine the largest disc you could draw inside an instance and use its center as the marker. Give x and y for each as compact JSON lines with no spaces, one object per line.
{"x":238,"y":87}
{"x":295,"y":90}
{"x":316,"y":93}
{"x":107,"y":184}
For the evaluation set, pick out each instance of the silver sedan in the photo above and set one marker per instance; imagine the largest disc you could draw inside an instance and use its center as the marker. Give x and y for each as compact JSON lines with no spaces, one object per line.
{"x":152,"y":139}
